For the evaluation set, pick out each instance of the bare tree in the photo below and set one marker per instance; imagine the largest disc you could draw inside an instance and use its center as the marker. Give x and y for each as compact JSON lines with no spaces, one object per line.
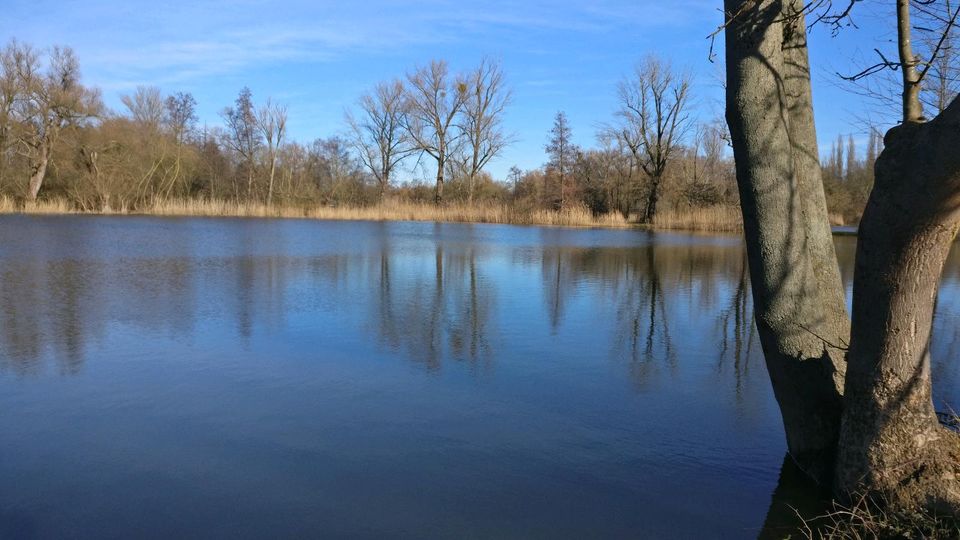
{"x":272,"y":123}
{"x":53,"y":100}
{"x":338,"y":173}
{"x":481,"y":120}
{"x":562,"y":153}
{"x":851,"y":166}
{"x":620,"y":162}
{"x":932,"y":73}
{"x":653,"y":120}
{"x":146,"y":106}
{"x":433,"y":102}
{"x":709,"y":171}
{"x":242,"y":134}
{"x":11,"y":91}
{"x":379,"y":134}
{"x":513,"y":176}
{"x":180,"y":115}
{"x":942,"y":82}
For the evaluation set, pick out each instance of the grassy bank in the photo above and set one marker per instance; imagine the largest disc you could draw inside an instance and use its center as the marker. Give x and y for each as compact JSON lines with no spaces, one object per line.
{"x":868,"y":519}
{"x":707,"y":219}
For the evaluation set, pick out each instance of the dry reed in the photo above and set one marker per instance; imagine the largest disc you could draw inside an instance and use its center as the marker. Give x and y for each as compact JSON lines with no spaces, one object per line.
{"x":706,"y":219}
{"x":55,"y":206}
{"x":711,"y":219}
{"x":388,"y":211}
{"x":868,"y":519}
{"x":391,"y":211}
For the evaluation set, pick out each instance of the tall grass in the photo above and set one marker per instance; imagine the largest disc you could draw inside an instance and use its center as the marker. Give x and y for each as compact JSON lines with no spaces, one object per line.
{"x":387,"y":211}
{"x":868,"y":519}
{"x":55,"y":206}
{"x":713,"y":219}
{"x":706,"y":219}
{"x":392,"y":211}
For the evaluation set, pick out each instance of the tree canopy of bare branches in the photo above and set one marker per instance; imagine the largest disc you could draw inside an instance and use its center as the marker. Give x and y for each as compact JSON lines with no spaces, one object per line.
{"x":653,"y":120}
{"x":272,"y":123}
{"x":379,"y":134}
{"x":434,"y":99}
{"x":41,"y":100}
{"x":242,"y":134}
{"x":481,"y":119}
{"x":562,"y":153}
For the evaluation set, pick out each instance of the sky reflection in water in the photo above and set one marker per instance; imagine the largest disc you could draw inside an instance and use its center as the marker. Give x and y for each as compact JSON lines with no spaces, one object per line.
{"x":251,"y":378}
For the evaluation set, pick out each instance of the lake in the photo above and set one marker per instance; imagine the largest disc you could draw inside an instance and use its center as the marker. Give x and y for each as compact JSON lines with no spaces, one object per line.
{"x":231,"y":378}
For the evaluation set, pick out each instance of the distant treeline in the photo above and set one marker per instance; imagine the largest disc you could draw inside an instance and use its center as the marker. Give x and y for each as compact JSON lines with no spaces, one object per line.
{"x":58,"y":141}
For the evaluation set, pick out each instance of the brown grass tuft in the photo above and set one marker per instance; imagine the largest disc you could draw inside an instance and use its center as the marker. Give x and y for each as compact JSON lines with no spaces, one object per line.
{"x":868,"y":519}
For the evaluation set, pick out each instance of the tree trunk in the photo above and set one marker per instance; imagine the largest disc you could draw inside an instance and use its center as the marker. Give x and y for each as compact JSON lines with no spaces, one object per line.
{"x":652,"y":198}
{"x":438,"y":197}
{"x":562,"y":186}
{"x":249,"y":181}
{"x":891,"y":443}
{"x":912,"y":110}
{"x":383,"y":182}
{"x":39,"y":171}
{"x":273,"y":171}
{"x":798,"y":294}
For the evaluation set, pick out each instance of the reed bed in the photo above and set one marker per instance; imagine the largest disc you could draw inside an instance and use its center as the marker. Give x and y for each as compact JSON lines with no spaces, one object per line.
{"x":54,"y":206}
{"x":391,"y":211}
{"x":711,"y":219}
{"x":715,"y":219}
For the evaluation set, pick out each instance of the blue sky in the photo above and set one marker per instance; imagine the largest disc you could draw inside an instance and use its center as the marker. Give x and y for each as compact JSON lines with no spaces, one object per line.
{"x":319,"y":56}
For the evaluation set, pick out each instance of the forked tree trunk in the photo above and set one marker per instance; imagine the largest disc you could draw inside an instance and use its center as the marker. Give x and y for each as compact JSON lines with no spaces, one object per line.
{"x":798,"y":295}
{"x":891,"y":443}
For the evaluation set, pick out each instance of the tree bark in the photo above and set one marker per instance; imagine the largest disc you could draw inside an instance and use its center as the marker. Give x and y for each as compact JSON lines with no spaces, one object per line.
{"x":652,"y":198}
{"x":273,"y":170}
{"x":39,"y":171}
{"x":470,"y":189}
{"x":798,"y":294}
{"x":912,"y":110}
{"x":438,"y":196}
{"x":891,"y":443}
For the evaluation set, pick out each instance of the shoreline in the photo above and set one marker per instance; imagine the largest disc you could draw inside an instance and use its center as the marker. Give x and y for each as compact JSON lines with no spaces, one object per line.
{"x":709,"y":220}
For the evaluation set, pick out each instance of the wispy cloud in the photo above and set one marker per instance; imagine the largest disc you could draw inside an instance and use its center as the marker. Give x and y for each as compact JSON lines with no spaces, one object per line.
{"x":141,"y":42}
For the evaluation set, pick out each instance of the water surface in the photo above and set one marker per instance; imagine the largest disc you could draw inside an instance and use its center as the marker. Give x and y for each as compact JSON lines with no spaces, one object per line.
{"x":230,"y":378}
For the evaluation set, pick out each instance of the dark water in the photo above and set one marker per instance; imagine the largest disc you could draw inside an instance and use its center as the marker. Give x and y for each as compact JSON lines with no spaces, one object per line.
{"x":240,"y":378}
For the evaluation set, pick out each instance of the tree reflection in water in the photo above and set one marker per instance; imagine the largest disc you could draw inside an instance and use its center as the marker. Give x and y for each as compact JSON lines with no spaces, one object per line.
{"x":617,"y":353}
